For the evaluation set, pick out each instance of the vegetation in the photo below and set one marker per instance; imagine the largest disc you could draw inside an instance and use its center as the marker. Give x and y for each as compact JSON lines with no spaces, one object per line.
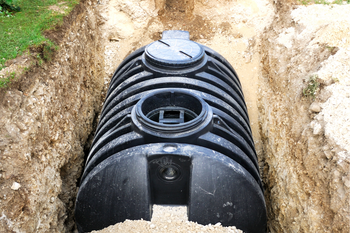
{"x":4,"y":81}
{"x":312,"y":87}
{"x":22,"y":23}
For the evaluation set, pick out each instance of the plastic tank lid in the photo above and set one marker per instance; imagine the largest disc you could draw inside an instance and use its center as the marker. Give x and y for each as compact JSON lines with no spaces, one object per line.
{"x":174,"y":53}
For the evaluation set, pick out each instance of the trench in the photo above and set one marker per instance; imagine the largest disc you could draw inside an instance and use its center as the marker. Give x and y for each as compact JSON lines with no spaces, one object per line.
{"x":274,"y":70}
{"x":51,"y":114}
{"x":234,"y":29}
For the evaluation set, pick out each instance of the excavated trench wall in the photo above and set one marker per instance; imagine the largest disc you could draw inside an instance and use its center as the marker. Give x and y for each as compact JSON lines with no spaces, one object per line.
{"x":303,"y":143}
{"x":44,"y":126}
{"x":306,"y":135}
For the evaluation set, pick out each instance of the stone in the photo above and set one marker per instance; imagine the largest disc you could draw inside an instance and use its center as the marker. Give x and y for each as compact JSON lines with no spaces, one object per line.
{"x":15,"y":186}
{"x":315,"y":107}
{"x":317,"y":129}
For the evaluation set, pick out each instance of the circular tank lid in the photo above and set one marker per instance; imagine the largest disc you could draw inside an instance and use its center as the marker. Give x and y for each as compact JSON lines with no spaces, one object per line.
{"x":176,"y":53}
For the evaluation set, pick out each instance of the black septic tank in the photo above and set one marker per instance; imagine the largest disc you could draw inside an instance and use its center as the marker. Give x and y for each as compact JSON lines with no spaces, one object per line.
{"x":174,"y":129}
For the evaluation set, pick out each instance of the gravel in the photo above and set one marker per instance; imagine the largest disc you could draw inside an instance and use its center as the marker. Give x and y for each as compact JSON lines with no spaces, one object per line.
{"x":167,"y":219}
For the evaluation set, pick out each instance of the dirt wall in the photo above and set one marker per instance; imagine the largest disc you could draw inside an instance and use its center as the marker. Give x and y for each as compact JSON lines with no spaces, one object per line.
{"x":46,"y":119}
{"x":306,"y":159}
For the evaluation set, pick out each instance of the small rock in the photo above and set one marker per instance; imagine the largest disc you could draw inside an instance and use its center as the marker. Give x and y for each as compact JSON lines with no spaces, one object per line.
{"x":347,"y":183}
{"x":152,"y":226}
{"x":15,"y":186}
{"x":315,"y":107}
{"x":317,"y":129}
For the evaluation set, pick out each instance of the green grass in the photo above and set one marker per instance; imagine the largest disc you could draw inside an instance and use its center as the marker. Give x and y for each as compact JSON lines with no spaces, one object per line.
{"x":4,"y":81}
{"x":24,"y":29}
{"x":312,"y":87}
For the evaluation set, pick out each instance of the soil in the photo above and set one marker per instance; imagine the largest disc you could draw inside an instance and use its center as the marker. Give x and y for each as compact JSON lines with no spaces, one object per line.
{"x":305,"y":138}
{"x":50,"y":112}
{"x":167,"y":219}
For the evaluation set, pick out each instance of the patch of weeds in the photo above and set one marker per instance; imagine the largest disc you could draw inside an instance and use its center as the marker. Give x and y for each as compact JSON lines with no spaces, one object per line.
{"x":305,"y":2}
{"x":330,"y":48}
{"x":339,"y":2}
{"x":39,"y":60}
{"x":4,"y":81}
{"x":323,"y":2}
{"x":312,"y":87}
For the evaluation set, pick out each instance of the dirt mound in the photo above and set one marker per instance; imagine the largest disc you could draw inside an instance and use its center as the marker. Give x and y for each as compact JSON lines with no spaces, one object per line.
{"x":167,"y":219}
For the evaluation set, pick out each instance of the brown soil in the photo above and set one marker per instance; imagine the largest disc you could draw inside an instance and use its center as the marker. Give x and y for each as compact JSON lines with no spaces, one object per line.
{"x":49,"y":113}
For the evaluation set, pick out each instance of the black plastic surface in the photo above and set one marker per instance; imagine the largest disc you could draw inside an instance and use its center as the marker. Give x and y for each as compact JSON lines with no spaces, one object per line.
{"x":174,"y":129}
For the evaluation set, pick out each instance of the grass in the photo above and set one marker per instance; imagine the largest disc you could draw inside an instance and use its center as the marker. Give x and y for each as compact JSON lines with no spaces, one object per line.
{"x":331,"y":48}
{"x":312,"y":87}
{"x":4,"y":81}
{"x":24,"y":29}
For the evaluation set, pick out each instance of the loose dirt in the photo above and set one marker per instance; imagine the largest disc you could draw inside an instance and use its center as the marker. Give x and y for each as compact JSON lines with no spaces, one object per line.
{"x":167,"y":219}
